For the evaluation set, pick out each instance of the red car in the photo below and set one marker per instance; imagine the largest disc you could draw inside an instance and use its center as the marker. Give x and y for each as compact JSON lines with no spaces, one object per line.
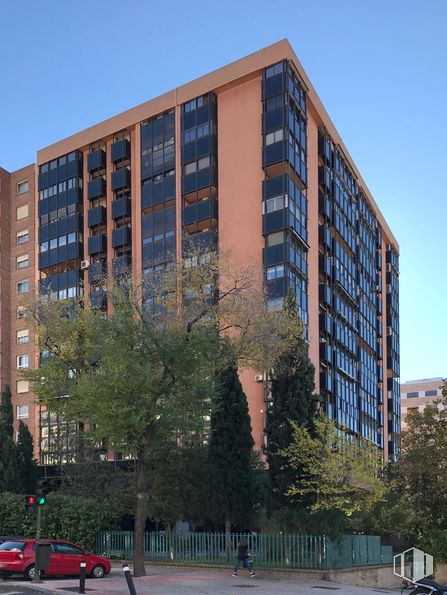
{"x":17,"y":556}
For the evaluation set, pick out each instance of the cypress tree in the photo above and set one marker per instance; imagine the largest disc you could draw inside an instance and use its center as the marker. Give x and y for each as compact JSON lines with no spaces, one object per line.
{"x":26,"y":465}
{"x":7,"y":446}
{"x":293,"y":400}
{"x":230,"y":453}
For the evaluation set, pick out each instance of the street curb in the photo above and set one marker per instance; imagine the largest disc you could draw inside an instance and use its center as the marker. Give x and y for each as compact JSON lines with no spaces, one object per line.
{"x":25,"y":589}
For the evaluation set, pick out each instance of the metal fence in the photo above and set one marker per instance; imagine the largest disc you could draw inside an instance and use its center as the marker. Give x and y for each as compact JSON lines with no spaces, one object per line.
{"x":269,"y":550}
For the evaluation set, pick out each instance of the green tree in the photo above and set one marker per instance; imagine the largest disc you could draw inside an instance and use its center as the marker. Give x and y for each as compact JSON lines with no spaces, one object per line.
{"x":178,"y":484}
{"x":340,"y":473}
{"x":26,"y":465}
{"x":232,"y":496}
{"x":293,"y":401}
{"x":423,"y":464}
{"x":144,"y":373}
{"x":8,"y":472}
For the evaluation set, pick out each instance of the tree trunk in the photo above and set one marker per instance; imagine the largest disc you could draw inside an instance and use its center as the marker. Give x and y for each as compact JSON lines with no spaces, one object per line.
{"x":142,"y":495}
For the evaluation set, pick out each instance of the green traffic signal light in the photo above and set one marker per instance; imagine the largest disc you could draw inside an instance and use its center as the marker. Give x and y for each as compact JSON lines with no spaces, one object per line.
{"x":41,"y":501}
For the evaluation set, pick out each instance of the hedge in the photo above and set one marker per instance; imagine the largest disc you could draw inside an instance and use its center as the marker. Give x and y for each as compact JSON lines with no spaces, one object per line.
{"x":72,"y":518}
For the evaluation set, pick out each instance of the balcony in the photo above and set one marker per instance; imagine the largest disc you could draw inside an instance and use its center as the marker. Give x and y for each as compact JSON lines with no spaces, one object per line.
{"x":275,"y":153}
{"x":200,"y":211}
{"x":98,"y":299}
{"x":199,"y":242}
{"x":97,"y":244}
{"x":326,"y":353}
{"x":197,"y":180}
{"x":275,"y":254}
{"x":121,"y":265}
{"x":96,"y":188}
{"x":121,"y":179}
{"x":325,"y":294}
{"x":324,"y":206}
{"x":326,"y":381}
{"x":97,"y":216}
{"x":120,"y":150}
{"x":324,"y":235}
{"x":325,"y":266}
{"x":274,"y":119}
{"x":62,"y":254}
{"x":275,"y":221}
{"x":97,"y":271}
{"x":121,"y":236}
{"x":325,"y":177}
{"x":96,"y":160}
{"x":273,"y":85}
{"x":72,"y":197}
{"x":325,"y":323}
{"x":121,"y":208}
{"x":276,"y":287}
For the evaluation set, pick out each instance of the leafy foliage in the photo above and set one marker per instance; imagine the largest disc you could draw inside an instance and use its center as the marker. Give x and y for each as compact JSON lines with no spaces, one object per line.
{"x":141,"y":376}
{"x":178,"y":483}
{"x":339,"y":472}
{"x":64,"y":517}
{"x":293,"y":400}
{"x":423,"y":478}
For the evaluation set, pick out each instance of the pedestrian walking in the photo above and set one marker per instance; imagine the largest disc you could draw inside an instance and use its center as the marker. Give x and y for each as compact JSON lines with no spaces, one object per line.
{"x":243,"y":558}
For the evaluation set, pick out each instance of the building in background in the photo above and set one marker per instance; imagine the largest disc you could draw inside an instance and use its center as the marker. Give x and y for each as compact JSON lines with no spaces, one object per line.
{"x":17,"y":284}
{"x":247,"y":160}
{"x":415,"y":395}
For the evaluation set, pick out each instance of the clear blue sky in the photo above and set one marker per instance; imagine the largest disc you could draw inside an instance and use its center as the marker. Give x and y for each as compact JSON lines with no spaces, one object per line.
{"x":379,"y":68}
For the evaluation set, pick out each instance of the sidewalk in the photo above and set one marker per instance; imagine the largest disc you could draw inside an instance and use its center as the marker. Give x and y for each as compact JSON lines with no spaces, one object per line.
{"x":162,"y":580}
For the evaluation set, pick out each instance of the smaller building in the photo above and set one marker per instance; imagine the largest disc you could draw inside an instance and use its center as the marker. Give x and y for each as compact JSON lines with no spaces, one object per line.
{"x":417,"y":394}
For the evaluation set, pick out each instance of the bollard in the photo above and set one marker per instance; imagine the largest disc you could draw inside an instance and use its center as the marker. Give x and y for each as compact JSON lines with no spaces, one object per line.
{"x":82,"y":577}
{"x":129,"y":579}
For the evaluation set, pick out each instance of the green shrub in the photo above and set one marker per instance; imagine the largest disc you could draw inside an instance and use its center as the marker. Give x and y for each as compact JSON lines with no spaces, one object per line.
{"x":73,"y":518}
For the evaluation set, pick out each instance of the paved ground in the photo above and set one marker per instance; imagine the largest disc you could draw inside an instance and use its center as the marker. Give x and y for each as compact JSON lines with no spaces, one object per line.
{"x":203,"y":581}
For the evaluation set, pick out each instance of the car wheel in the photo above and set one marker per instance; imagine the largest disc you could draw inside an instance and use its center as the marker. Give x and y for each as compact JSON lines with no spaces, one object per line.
{"x":29,"y":573}
{"x":98,"y":571}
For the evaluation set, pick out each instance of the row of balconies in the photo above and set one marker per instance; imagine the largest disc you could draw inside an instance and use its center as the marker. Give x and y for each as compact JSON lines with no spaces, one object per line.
{"x":60,"y":254}
{"x":120,"y":152}
{"x":121,"y":236}
{"x":199,"y":211}
{"x":98,"y":215}
{"x":120,"y":181}
{"x":97,"y":271}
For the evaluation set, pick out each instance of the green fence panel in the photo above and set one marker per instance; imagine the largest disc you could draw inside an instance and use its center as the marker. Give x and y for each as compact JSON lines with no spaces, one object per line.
{"x":280,"y":550}
{"x":386,"y":554}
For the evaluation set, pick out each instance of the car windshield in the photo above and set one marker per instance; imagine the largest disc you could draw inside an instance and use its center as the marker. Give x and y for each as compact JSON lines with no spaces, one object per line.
{"x":12,"y":545}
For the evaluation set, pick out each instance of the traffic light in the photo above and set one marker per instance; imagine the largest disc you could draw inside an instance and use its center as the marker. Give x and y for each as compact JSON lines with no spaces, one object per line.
{"x":30,"y":503}
{"x":41,"y":492}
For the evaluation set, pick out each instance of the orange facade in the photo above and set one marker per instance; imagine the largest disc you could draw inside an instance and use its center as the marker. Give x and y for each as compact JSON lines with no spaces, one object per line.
{"x":236,"y":91}
{"x":17,"y":284}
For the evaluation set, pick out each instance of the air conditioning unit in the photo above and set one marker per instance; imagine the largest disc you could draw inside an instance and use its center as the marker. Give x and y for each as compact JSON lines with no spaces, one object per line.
{"x":85,"y":264}
{"x":259,"y":378}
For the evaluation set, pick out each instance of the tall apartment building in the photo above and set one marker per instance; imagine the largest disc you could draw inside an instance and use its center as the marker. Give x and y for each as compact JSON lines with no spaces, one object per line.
{"x":415,"y":395}
{"x":17,"y":283}
{"x":244,"y":159}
